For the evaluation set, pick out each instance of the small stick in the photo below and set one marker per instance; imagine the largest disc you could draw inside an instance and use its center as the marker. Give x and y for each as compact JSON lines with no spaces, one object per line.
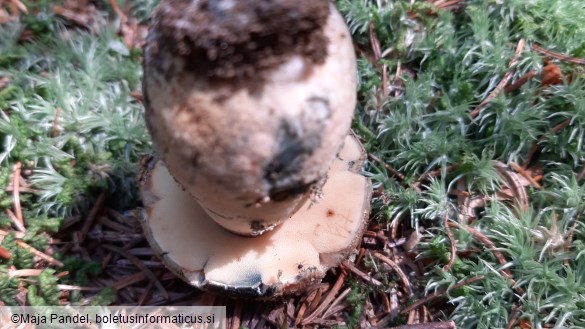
{"x":22,"y":189}
{"x":429,"y":325}
{"x":336,"y":302}
{"x":20,"y":6}
{"x":77,"y":288}
{"x":144,"y":297}
{"x":561,"y":126}
{"x":18,"y":235}
{"x":24,"y":272}
{"x":307,"y":303}
{"x":392,"y":170}
{"x":237,"y":314}
{"x":395,"y":267}
{"x":327,"y":300}
{"x":513,"y":318}
{"x":4,"y":81}
{"x":32,"y":272}
{"x":503,"y":82}
{"x":39,"y":254}
{"x":534,"y":146}
{"x":16,"y":192}
{"x":17,"y":224}
{"x":432,"y":173}
{"x":499,"y":256}
{"x":118,"y":11}
{"x":91,"y":216}
{"x":375,"y":43}
{"x":520,"y":82}
{"x":558,"y":56}
{"x":571,"y":233}
{"x":513,"y":182}
{"x":452,"y":246}
{"x":361,"y":274}
{"x":137,"y":95}
{"x":526,"y":175}
{"x":396,"y":78}
{"x":437,"y":294}
{"x":56,"y":122}
{"x":129,"y":280}
{"x":412,"y":317}
{"x":488,"y":243}
{"x":138,"y":263}
{"x":581,"y":173}
{"x":4,"y":253}
{"x":385,"y":91}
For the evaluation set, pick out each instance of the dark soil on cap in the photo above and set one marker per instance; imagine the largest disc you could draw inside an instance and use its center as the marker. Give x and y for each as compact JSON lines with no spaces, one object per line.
{"x":245,"y":40}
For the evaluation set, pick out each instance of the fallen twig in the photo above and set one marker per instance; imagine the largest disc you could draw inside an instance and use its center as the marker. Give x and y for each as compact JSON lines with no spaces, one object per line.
{"x":327,"y":300}
{"x":20,"y":6}
{"x":581,"y":173}
{"x":488,"y":243}
{"x":56,"y":122}
{"x":350,"y":266}
{"x":452,"y":246}
{"x":18,"y":235}
{"x":4,"y":81}
{"x":429,"y":325}
{"x":336,"y":302}
{"x":432,"y":173}
{"x":514,"y":184}
{"x":526,"y":175}
{"x":395,"y":172}
{"x":68,"y":287}
{"x":513,"y":318}
{"x":118,"y":11}
{"x":32,"y":272}
{"x":313,"y":296}
{"x":17,"y":224}
{"x":16,"y":192}
{"x":129,"y":280}
{"x":534,"y":146}
{"x":138,"y":263}
{"x":438,"y":294}
{"x":558,"y":56}
{"x":503,"y":82}
{"x":4,"y":253}
{"x":137,"y":95}
{"x":571,"y":233}
{"x":520,"y":82}
{"x":92,"y":215}
{"x":39,"y":254}
{"x":403,"y":277}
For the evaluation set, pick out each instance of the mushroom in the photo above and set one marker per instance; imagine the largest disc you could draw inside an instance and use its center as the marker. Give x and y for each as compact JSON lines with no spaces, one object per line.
{"x":256,"y":187}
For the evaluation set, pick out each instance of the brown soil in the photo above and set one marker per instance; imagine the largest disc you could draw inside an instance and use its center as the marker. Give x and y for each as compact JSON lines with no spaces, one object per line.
{"x":241,"y":41}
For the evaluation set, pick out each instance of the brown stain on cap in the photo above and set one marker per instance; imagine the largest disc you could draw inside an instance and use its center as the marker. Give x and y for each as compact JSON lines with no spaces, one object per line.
{"x":223,"y":39}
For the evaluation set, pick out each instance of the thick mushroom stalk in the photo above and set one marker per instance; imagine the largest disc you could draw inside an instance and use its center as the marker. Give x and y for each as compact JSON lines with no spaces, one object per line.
{"x":249,"y":104}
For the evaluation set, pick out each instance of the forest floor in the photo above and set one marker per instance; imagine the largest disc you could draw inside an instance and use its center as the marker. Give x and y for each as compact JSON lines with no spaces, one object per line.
{"x":472,"y":114}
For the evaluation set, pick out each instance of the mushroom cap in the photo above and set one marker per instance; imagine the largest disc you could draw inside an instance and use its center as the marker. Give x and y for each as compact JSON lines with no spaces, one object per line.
{"x":285,"y":260}
{"x":249,"y":145}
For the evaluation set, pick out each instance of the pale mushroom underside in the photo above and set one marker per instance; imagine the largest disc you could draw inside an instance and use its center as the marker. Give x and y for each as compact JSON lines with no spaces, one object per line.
{"x":296,"y":253}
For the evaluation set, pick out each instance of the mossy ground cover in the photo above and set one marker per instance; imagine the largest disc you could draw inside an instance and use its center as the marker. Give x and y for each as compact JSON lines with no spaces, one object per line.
{"x":472,"y":113}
